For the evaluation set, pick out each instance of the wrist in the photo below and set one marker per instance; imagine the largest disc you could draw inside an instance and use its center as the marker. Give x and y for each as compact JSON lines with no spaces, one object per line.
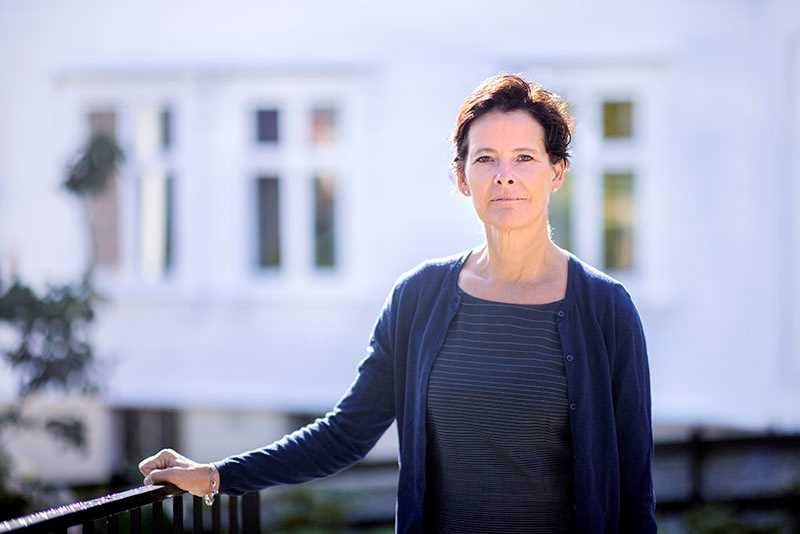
{"x":213,"y":484}
{"x":215,"y":477}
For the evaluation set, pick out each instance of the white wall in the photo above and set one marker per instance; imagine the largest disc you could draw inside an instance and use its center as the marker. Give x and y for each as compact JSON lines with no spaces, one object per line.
{"x":37,"y":455}
{"x":210,"y":434}
{"x":719,"y":210}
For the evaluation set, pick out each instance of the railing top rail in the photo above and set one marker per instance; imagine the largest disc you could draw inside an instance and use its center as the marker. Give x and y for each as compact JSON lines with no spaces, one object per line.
{"x":767,"y":441}
{"x":81,"y":511}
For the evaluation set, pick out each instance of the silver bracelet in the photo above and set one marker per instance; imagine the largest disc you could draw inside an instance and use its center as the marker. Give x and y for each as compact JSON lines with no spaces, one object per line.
{"x":208,"y":498}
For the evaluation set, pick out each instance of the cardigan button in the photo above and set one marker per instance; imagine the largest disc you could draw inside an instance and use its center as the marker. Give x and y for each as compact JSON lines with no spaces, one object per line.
{"x":569,"y":357}
{"x":571,"y":405}
{"x":561,"y":313}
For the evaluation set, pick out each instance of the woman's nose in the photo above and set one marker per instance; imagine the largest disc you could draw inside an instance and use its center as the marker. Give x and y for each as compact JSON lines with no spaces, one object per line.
{"x":504,"y":175}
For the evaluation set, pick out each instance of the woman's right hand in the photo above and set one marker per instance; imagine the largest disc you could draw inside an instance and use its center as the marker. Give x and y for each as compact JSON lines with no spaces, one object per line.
{"x":169,"y":466}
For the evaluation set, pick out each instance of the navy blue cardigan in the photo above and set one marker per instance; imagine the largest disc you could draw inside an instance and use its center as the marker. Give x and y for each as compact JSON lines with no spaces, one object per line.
{"x":608,"y":384}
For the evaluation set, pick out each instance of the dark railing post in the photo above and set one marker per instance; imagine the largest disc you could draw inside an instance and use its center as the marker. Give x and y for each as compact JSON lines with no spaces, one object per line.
{"x":251,"y":512}
{"x":87,"y":527}
{"x":177,"y":514}
{"x":696,"y":461}
{"x":158,"y":517}
{"x":197,"y":517}
{"x":136,"y":521}
{"x":112,"y":526}
{"x":233,"y":514}
{"x":216,"y":523}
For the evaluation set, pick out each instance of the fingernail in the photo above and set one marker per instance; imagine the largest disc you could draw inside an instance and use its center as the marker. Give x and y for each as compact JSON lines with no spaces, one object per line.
{"x":148,"y":481}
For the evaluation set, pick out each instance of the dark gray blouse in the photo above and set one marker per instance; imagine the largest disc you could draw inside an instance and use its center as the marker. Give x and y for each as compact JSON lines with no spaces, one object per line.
{"x":499,"y":449}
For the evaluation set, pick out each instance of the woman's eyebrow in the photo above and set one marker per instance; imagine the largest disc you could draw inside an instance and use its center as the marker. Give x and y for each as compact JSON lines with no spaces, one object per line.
{"x":521,"y":149}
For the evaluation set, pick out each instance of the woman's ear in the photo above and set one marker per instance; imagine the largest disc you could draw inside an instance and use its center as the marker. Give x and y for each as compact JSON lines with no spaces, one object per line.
{"x":462,"y":184}
{"x":558,"y":177}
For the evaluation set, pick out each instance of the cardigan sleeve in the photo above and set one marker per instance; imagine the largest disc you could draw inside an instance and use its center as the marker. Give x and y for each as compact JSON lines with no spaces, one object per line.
{"x":631,"y":390}
{"x":333,"y":442}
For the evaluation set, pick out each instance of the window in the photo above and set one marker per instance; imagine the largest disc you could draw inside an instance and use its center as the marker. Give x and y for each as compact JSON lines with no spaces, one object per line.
{"x":103,"y":122}
{"x":156,"y":218}
{"x":267,"y":125}
{"x":169,"y":223}
{"x":618,"y":220}
{"x":323,"y":126}
{"x":324,"y":221}
{"x":561,"y":213}
{"x":105,"y":205}
{"x":156,"y":191}
{"x":618,"y":192}
{"x":617,"y":119}
{"x":166,"y":129}
{"x":142,"y":432}
{"x":293,"y":192}
{"x":268,"y":221}
{"x":296,"y":420}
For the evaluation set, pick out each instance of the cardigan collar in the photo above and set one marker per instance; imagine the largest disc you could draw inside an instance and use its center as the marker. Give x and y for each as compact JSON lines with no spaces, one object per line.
{"x":461,"y":258}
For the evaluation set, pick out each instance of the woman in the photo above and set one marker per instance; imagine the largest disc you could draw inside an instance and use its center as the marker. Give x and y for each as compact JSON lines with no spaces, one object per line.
{"x":517,"y":373}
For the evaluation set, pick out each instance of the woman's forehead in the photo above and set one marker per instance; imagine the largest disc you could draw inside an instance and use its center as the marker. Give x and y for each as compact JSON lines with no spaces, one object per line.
{"x":506,"y":129}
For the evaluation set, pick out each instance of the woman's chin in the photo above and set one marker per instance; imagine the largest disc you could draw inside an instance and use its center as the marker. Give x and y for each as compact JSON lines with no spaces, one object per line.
{"x":508,"y":224}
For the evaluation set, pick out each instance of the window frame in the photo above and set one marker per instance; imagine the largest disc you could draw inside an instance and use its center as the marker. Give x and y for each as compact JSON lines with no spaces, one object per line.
{"x":586,"y":87}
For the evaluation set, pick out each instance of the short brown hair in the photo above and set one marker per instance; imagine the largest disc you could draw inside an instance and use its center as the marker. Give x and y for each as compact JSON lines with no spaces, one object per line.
{"x":510,"y":92}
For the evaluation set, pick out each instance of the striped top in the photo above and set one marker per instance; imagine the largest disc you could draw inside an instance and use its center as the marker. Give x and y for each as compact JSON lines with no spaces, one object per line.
{"x":499,"y":449}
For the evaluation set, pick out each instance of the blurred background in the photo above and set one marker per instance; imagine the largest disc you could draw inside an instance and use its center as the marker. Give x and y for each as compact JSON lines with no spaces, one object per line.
{"x":204,"y":205}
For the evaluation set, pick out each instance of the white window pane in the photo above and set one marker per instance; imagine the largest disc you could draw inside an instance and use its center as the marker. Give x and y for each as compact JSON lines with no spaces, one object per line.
{"x":618,"y":220}
{"x":618,"y":119}
{"x":105,"y":205}
{"x":156,"y":219}
{"x":267,"y":125}
{"x":268,"y":230}
{"x":324,"y":221}
{"x":323,"y":125}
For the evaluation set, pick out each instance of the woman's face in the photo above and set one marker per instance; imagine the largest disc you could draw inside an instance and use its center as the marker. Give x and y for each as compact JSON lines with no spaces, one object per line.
{"x":507,"y":171}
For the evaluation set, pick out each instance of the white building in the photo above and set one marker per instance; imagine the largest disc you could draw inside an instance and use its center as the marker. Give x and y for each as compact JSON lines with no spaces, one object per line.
{"x":285,"y":163}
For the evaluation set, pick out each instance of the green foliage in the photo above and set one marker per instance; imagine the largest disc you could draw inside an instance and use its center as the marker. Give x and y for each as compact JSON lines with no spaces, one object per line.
{"x":51,"y":348}
{"x":12,"y":504}
{"x":300,"y":509}
{"x":713,"y":519}
{"x":52,"y":351}
{"x":91,"y":172}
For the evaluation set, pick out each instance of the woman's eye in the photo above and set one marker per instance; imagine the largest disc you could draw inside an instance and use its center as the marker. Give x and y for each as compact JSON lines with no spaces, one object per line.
{"x":525,"y":157}
{"x":483,"y":159}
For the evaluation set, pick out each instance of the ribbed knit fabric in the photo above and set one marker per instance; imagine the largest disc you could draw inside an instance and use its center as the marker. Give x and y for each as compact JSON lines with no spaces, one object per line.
{"x":499,"y":450}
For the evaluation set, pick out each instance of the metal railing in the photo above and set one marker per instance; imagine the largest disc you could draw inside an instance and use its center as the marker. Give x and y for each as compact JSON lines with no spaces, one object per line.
{"x":142,"y":510}
{"x":699,"y":450}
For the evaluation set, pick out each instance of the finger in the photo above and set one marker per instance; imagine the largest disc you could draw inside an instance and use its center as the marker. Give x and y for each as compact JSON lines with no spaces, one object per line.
{"x":160,"y":476}
{"x":192,"y":479}
{"x":148,"y":464}
{"x":172,"y":458}
{"x":157,"y":461}
{"x":161,"y":460}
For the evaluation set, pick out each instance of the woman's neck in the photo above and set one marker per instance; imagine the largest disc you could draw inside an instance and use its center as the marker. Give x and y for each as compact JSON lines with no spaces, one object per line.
{"x":517,"y":256}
